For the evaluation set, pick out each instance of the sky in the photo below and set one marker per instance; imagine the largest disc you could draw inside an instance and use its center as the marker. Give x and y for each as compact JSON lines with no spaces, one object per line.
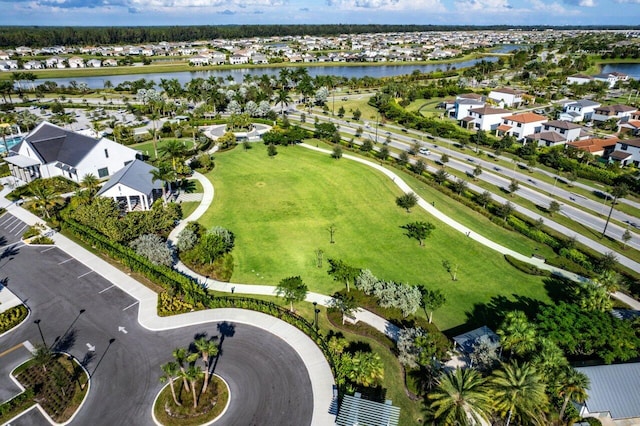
{"x":224,"y":12}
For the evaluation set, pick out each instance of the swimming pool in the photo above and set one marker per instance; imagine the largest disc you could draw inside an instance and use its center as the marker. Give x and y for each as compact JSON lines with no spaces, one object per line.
{"x":11,"y":142}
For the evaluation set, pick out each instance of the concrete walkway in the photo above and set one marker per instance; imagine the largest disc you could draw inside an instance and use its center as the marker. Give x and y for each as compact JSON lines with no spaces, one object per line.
{"x":320,"y":374}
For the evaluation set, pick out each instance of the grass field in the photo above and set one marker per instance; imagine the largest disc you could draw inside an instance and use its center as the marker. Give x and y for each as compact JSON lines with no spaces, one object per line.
{"x":281,"y":208}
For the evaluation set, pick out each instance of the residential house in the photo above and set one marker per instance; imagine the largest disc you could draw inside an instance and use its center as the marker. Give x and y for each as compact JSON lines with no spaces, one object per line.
{"x":50,"y":150}
{"x":579,"y":79}
{"x":567,"y":129}
{"x":521,"y":125}
{"x":610,"y":79}
{"x":55,"y":62}
{"x":8,"y":65}
{"x":581,"y":110}
{"x":199,"y":60}
{"x":613,"y":395}
{"x":109,"y":63}
{"x":595,"y":146}
{"x":631,"y":127}
{"x":4,"y":56}
{"x":462,"y":106}
{"x":24,"y":51}
{"x":132,"y":187}
{"x":355,"y":410}
{"x":258,"y":58}
{"x":238,"y":59}
{"x":626,"y":152}
{"x":217,"y":58}
{"x":94,"y":63}
{"x":485,"y":118}
{"x":76,"y":62}
{"x":506,"y":97}
{"x":618,"y":112}
{"x":32,"y":65}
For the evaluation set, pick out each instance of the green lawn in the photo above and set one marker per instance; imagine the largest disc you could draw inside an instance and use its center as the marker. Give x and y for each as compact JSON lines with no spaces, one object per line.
{"x":280,"y":209}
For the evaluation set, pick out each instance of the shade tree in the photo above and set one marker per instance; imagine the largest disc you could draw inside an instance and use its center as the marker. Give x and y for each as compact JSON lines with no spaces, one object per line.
{"x":292,"y":289}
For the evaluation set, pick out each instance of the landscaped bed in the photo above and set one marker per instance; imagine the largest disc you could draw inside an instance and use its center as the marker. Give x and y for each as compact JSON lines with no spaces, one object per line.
{"x":210,"y":404}
{"x":12,"y":317}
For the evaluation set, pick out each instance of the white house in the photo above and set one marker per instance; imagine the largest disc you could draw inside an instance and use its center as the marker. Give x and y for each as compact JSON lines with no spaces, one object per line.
{"x":238,"y":59}
{"x":619,"y":112}
{"x":461,"y":107}
{"x":76,"y":62}
{"x":132,"y":187}
{"x":568,"y":130}
{"x":10,"y":64}
{"x":199,"y":60}
{"x":94,"y":63}
{"x":507,"y":97}
{"x":54,"y":62}
{"x":109,"y":63}
{"x":218,"y":58}
{"x":581,"y":110}
{"x":611,"y":78}
{"x":626,"y":152}
{"x":49,"y":151}
{"x":485,"y":118}
{"x":521,"y":125}
{"x":32,"y":65}
{"x":579,"y":79}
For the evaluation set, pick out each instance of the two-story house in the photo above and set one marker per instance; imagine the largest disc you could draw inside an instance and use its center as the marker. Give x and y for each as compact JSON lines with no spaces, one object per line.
{"x":555,"y":132}
{"x":626,"y":152}
{"x":595,"y":146}
{"x":507,"y":97}
{"x":484,"y":118}
{"x":49,"y":150}
{"x":581,"y":110}
{"x":618,"y":112}
{"x":521,"y":125}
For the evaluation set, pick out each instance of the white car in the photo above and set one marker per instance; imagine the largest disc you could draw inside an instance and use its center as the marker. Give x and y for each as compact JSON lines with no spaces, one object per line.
{"x":425,"y":151}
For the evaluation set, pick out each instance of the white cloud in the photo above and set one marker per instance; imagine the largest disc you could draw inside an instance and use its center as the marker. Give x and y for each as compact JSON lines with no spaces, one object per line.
{"x":395,"y":5}
{"x":553,"y":8}
{"x":628,"y":1}
{"x":485,"y":6}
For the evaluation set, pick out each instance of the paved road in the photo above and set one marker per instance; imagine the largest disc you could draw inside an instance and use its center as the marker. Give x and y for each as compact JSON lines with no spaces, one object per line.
{"x":80,"y":310}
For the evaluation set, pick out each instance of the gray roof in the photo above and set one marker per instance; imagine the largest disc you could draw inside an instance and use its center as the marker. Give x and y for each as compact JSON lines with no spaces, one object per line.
{"x":614,"y":389}
{"x":52,"y":143}
{"x":561,"y":124}
{"x":135,"y":175}
{"x":547,"y":136}
{"x":468,"y":339}
{"x":464,"y":101}
{"x":357,"y":411}
{"x":21,"y":161}
{"x":584,"y":103}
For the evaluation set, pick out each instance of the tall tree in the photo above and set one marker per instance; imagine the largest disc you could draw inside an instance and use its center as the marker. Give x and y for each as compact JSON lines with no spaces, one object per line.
{"x":573,"y":386}
{"x":181,"y":356}
{"x":170,"y":371}
{"x":517,"y":334}
{"x":518,"y":391}
{"x":340,"y":271}
{"x":193,"y":374}
{"x":432,"y":300}
{"x":208,"y":348}
{"x":407,"y":201}
{"x":293,"y":289}
{"x":460,"y":399}
{"x":174,"y":150}
{"x":418,"y":230}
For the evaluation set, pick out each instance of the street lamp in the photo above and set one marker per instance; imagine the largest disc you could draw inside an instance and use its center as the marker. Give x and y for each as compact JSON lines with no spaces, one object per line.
{"x":37,"y":322}
{"x":315,"y":311}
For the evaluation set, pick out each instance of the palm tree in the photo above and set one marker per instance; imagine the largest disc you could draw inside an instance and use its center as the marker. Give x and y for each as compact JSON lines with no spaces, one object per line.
{"x":42,"y":356}
{"x":170,"y":371}
{"x":193,"y":374}
{"x":517,"y":334}
{"x":208,"y":348}
{"x":44,"y":197}
{"x":173,"y":149}
{"x":460,"y":398}
{"x":518,"y":391}
{"x":283,"y":98}
{"x":163,"y":174}
{"x":5,"y":129}
{"x":573,"y":386}
{"x":181,"y":355}
{"x":90,"y":182}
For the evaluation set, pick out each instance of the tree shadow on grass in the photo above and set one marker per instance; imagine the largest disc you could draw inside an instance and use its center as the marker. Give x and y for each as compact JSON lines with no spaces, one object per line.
{"x":492,"y":313}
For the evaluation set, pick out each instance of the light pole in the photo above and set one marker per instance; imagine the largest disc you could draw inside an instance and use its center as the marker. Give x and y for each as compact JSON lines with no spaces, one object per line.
{"x":315,"y":309}
{"x":555,"y":181}
{"x":37,"y":322}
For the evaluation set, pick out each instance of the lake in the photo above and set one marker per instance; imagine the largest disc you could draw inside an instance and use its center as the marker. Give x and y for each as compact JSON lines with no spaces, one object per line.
{"x":632,"y":70}
{"x":238,"y":74}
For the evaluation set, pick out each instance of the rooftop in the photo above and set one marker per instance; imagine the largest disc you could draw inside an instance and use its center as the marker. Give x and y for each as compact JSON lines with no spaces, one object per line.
{"x":614,"y":389}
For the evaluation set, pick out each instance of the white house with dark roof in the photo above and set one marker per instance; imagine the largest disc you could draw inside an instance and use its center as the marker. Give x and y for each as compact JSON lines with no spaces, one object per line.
{"x":581,"y":110}
{"x":462,"y":106}
{"x":613,"y":395}
{"x":579,"y":79}
{"x":485,"y":118}
{"x":618,"y":112}
{"x":626,"y":152}
{"x":506,"y":97}
{"x":49,"y":150}
{"x":132,"y":187}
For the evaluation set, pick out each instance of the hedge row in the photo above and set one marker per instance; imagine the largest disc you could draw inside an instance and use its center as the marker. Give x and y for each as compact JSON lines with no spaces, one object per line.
{"x":16,"y":405}
{"x":168,"y":278}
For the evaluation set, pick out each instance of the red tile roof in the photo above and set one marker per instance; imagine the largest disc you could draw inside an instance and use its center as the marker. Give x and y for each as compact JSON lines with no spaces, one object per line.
{"x":526,"y":117}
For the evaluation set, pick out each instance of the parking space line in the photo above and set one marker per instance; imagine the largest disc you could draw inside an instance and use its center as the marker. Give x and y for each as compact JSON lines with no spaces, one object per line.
{"x":85,"y":274}
{"x":22,"y":229}
{"x":65,"y":261}
{"x":103,"y":290}
{"x":131,"y":305}
{"x":47,"y":249}
{"x":9,"y":222}
{"x":18,"y":224}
